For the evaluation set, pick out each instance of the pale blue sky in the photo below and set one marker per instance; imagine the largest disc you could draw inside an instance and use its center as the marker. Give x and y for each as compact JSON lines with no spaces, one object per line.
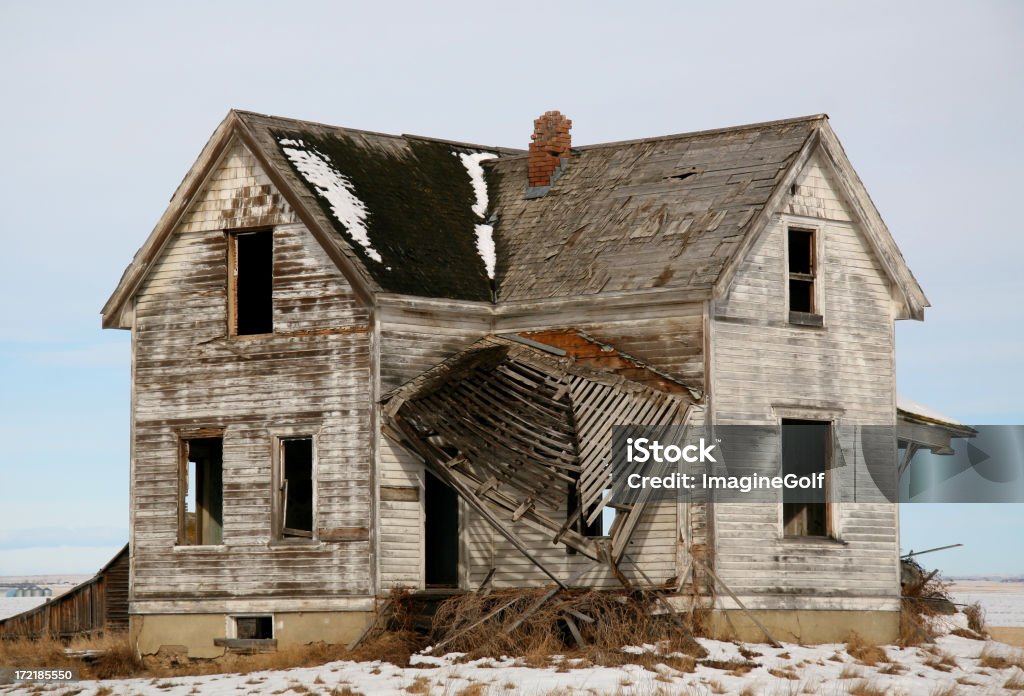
{"x":105,"y":106}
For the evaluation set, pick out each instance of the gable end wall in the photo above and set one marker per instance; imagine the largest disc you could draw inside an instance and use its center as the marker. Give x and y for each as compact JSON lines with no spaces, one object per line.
{"x":761,"y":363}
{"x":312,"y":375}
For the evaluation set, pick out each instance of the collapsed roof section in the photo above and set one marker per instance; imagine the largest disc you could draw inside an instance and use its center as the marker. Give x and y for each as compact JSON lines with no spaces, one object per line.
{"x":523,"y":433}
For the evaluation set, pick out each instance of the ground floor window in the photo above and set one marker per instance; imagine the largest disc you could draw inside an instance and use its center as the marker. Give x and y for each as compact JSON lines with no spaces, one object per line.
{"x":201,"y":491}
{"x":806,"y":451}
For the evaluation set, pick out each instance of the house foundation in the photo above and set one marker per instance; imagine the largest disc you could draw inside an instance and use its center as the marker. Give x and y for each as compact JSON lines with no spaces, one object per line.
{"x":807,"y":627}
{"x":193,"y":635}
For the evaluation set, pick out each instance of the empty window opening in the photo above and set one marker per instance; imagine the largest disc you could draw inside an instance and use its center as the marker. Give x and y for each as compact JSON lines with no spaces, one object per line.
{"x":602,"y":524}
{"x":201,"y":521}
{"x":801,"y":271}
{"x":254,"y":627}
{"x":806,"y":451}
{"x":252,"y":287}
{"x":580,"y":525}
{"x":297,"y":487}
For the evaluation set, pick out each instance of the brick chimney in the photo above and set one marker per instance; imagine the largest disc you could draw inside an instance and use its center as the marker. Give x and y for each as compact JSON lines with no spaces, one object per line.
{"x":549,"y":147}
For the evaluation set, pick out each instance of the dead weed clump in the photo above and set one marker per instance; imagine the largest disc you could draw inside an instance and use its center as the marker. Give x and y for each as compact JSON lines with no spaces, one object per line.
{"x":975,"y":614}
{"x":101,"y":657}
{"x":999,"y":659}
{"x":864,"y":652}
{"x":510,"y":623}
{"x":864,"y":687}
{"x":925,"y":597}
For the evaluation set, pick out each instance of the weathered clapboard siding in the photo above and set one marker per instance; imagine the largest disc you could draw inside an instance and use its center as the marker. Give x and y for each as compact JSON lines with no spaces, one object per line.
{"x":311,"y":376}
{"x":652,"y":547}
{"x":761,"y":363}
{"x":410,"y":345}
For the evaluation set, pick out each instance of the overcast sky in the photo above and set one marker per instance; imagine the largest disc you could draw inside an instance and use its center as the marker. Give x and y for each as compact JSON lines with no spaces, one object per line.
{"x":106,"y":105}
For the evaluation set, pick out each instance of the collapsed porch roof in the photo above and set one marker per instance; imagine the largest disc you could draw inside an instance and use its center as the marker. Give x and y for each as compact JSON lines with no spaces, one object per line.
{"x":513,"y":425}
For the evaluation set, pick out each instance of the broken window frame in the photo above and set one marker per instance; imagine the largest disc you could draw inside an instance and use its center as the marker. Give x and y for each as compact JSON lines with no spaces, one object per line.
{"x":184,"y":438}
{"x":233,"y":273}
{"x":280,"y":533}
{"x":829,"y":506}
{"x":811,"y":316}
{"x":233,"y":631}
{"x":578,"y":518}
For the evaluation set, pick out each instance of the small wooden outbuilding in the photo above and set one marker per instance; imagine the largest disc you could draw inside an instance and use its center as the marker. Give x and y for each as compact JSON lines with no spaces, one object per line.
{"x":98,"y":605}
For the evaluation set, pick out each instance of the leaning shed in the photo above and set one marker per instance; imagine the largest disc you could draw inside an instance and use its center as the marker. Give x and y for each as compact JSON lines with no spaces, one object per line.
{"x":98,"y":605}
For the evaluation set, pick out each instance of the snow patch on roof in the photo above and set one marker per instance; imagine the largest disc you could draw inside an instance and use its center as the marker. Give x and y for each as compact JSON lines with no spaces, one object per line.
{"x":485,"y":247}
{"x":471,"y":161}
{"x":905,"y":404}
{"x":484,"y":232}
{"x":333,"y":187}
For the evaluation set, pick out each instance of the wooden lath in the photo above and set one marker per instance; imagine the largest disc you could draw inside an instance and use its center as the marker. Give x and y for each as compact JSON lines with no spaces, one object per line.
{"x":511,"y":427}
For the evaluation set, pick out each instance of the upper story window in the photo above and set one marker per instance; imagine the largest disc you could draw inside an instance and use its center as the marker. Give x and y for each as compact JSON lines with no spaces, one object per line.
{"x":803,"y":274}
{"x":251,"y":282}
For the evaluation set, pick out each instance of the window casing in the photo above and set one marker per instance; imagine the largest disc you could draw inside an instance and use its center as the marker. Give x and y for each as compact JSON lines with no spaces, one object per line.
{"x":201,"y":491}
{"x":250,"y":283}
{"x":802,"y":267}
{"x":806,"y":451}
{"x":295,"y":487}
{"x":253,"y":627}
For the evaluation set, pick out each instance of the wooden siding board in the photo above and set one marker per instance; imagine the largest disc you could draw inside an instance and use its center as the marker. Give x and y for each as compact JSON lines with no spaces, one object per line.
{"x":759,"y":361}
{"x":189,"y":373}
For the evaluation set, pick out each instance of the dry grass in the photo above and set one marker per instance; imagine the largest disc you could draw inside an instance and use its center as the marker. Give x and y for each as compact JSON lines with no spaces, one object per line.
{"x":1015,"y":682}
{"x":476,"y":689}
{"x":967,"y":633}
{"x":893,"y":668}
{"x":864,"y":652}
{"x":1001,"y":659}
{"x":850,"y":672}
{"x":116,"y":658}
{"x":975,"y":614}
{"x":864,"y":687}
{"x":943,"y":662}
{"x":473,"y":624}
{"x":781,"y":673}
{"x":919,"y":605}
{"x":420,"y":685}
{"x":944,"y":690}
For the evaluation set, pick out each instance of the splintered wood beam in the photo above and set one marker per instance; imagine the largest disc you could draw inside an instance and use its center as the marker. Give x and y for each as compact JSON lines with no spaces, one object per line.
{"x":485,"y":585}
{"x":545,"y":597}
{"x":750,"y":615}
{"x":616,"y":571}
{"x":467,"y":629}
{"x":657,"y":595}
{"x":435,"y":459}
{"x":575,"y":631}
{"x":521,"y":510}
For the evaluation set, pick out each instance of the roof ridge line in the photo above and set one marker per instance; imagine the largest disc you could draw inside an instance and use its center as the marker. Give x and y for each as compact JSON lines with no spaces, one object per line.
{"x":709,"y":131}
{"x":396,"y":136}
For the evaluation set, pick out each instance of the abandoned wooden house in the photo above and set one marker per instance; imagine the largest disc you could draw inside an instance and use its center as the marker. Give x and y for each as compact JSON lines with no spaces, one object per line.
{"x":364,"y":361}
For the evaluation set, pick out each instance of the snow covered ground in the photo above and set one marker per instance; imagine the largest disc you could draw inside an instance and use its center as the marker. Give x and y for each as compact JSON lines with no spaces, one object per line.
{"x":1003,"y":601}
{"x":826,"y":669}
